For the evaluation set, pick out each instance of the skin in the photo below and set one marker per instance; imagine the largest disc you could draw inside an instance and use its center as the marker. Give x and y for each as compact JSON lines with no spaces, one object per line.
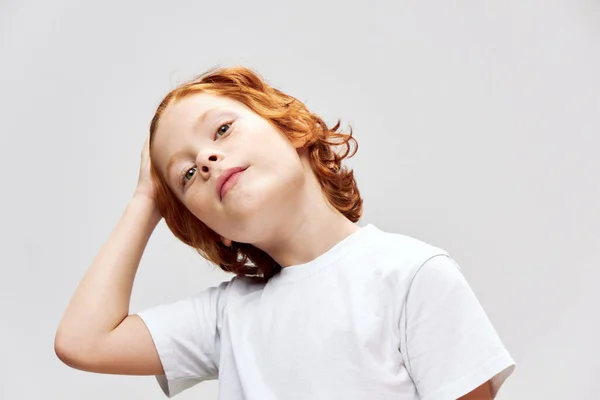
{"x":483,"y":392}
{"x":276,"y":205}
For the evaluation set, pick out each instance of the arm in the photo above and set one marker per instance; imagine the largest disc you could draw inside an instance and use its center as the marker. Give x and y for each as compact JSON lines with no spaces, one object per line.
{"x":96,"y":333}
{"x":447,"y":340}
{"x":483,"y":392}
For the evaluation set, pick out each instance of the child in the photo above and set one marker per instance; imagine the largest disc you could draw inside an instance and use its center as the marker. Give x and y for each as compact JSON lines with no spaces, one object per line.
{"x":319,"y":308}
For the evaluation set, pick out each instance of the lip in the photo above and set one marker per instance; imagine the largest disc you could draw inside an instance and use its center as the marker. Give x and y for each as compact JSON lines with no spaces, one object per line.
{"x":225,"y":175}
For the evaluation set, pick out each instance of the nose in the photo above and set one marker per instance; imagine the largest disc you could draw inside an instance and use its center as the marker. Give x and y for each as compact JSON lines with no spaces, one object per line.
{"x":205,"y":161}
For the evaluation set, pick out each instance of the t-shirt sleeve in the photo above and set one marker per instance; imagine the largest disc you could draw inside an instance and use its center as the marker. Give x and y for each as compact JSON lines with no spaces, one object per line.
{"x":186,"y":334}
{"x":448,"y":343}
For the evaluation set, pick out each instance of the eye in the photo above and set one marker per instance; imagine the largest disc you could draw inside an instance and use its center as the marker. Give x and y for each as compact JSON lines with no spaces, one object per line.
{"x":223,"y":129}
{"x":184,"y":177}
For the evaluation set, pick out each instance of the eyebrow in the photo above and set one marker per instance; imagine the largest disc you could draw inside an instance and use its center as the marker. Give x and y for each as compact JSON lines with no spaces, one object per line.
{"x":195,"y":126}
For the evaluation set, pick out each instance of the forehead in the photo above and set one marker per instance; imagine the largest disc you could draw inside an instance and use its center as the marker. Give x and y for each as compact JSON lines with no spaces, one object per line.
{"x":182,"y":113}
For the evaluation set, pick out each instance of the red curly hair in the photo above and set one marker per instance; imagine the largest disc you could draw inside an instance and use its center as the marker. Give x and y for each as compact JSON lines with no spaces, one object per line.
{"x":290,"y":116}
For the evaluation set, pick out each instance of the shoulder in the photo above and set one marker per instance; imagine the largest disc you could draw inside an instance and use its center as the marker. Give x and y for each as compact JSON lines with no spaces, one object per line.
{"x":243,"y":287}
{"x":397,"y":251}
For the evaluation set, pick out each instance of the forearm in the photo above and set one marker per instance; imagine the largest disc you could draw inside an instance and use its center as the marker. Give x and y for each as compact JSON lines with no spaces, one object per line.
{"x":101,"y":301}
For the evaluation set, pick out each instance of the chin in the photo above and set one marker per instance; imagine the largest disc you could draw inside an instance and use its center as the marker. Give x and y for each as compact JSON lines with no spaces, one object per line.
{"x":257,"y":205}
{"x":246,"y":203}
{"x":252,"y":214}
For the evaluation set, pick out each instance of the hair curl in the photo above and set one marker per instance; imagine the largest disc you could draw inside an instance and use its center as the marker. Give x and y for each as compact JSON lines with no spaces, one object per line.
{"x":290,"y":116}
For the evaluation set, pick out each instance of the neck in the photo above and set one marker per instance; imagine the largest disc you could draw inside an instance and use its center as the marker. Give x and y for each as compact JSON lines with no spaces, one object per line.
{"x":314,"y":227}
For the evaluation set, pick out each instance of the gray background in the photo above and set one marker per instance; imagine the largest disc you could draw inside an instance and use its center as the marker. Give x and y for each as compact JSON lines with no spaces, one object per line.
{"x":477,"y":125}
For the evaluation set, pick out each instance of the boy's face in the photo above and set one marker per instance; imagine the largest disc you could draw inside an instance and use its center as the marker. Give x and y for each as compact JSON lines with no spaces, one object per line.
{"x":201,"y":136}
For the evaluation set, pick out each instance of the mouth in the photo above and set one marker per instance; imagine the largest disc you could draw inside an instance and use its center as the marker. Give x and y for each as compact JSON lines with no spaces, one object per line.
{"x":227,"y":180}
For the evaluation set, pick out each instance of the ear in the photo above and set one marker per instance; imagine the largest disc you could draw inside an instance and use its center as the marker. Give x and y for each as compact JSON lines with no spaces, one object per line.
{"x":226,"y":241}
{"x":298,"y":143}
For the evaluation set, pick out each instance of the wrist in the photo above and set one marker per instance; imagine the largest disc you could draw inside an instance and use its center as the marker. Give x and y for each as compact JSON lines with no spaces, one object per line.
{"x":146,"y":205}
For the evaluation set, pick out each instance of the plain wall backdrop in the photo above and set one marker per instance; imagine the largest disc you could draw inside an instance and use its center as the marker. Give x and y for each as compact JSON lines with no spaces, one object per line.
{"x":478,"y":128}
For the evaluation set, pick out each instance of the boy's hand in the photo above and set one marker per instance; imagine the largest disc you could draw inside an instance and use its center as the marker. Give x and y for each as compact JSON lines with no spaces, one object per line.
{"x":145,"y":186}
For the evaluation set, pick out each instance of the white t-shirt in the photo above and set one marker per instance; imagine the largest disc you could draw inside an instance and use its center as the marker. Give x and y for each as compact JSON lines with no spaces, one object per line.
{"x":378,"y":316}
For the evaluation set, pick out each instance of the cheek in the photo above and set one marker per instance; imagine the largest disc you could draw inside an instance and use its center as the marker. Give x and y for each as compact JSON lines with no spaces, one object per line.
{"x":271,"y":186}
{"x":277,"y":155}
{"x":259,"y":189}
{"x":200,"y":203}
